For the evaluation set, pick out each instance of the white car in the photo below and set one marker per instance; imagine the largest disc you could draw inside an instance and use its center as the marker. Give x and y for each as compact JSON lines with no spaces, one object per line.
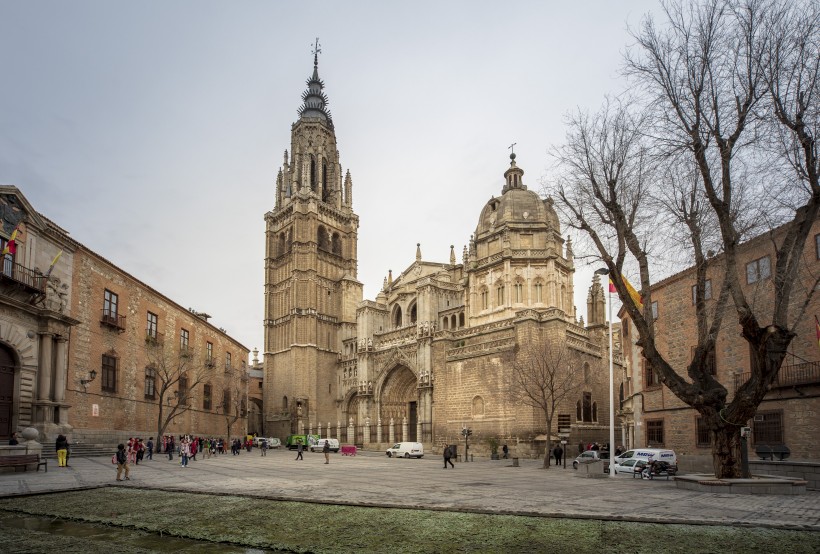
{"x":319,"y":445}
{"x":627,"y":467}
{"x":406,"y":450}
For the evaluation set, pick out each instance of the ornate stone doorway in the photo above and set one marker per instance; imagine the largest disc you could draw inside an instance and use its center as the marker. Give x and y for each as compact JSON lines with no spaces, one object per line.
{"x":399,"y":399}
{"x":6,"y":392}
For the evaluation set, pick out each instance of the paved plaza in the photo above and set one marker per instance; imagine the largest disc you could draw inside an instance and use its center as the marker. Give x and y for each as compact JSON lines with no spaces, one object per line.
{"x":486,"y":486}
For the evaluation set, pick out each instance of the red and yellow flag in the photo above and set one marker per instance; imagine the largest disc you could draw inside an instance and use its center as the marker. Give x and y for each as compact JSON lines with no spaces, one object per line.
{"x":631,"y":290}
{"x":11,"y":245}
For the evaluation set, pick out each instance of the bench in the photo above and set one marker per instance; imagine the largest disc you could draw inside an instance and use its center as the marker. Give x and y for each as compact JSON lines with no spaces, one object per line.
{"x":24,"y":460}
{"x":766,"y":452}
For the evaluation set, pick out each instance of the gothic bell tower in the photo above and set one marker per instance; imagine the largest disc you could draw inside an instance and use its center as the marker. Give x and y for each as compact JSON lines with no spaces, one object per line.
{"x":311,"y":287}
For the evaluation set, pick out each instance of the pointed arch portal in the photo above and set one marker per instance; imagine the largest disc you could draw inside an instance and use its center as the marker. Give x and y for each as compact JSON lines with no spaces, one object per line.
{"x":399,"y":399}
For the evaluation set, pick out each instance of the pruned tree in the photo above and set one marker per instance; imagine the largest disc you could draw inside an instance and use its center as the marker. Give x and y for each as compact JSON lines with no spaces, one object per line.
{"x":176,"y":374}
{"x":544,"y":375}
{"x":722,"y":146}
{"x":234,"y":401}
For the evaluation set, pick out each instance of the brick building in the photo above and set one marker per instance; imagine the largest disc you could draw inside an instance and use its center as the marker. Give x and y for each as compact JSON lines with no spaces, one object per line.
{"x":431,"y":353}
{"x":788,"y":415}
{"x":88,"y":347}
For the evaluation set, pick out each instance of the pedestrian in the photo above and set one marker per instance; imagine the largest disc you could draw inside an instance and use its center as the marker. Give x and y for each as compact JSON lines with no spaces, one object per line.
{"x":140,"y":450}
{"x":61,"y":446}
{"x":326,"y":451}
{"x":506,"y":451}
{"x":132,"y":450}
{"x":150,"y":445}
{"x":122,"y":462}
{"x":264,"y":447}
{"x":185,"y":452}
{"x":13,"y":440}
{"x":299,"y":448}
{"x":170,"y":448}
{"x":558,"y":454}
{"x":448,"y":457}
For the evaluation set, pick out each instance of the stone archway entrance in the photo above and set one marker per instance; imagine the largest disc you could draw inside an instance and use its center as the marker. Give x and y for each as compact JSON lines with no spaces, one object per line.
{"x":399,"y":399}
{"x":6,"y":392}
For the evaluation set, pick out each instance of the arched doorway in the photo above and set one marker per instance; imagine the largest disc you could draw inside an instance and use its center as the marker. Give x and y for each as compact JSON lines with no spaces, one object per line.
{"x":7,"y":367}
{"x":399,"y":399}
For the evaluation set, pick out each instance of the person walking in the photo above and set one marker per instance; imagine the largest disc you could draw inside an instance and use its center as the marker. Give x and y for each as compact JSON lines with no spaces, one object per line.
{"x":448,"y":457}
{"x":299,"y":448}
{"x":61,"y":446}
{"x":185,"y":452}
{"x":558,"y":453}
{"x":506,"y":451}
{"x":150,"y":445}
{"x":170,"y":448}
{"x":122,"y":462}
{"x":263,"y":448}
{"x":326,"y":451}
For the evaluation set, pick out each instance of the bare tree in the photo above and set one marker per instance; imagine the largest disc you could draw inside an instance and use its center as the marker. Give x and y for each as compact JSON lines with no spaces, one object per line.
{"x":176,"y":374}
{"x":730,"y":90}
{"x":545,"y":374}
{"x":233,"y":405}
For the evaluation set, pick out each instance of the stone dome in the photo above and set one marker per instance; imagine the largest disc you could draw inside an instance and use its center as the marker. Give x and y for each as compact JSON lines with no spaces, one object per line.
{"x":517,"y":206}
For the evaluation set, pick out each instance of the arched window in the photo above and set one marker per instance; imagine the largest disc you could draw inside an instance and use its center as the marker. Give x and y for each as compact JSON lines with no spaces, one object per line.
{"x":397,"y":318}
{"x":500,"y":295}
{"x":413,"y":313}
{"x":478,"y":406}
{"x":445,"y":324}
{"x":453,"y":320}
{"x":461,"y":319}
{"x":518,"y":292}
{"x":538,"y":288}
{"x":326,"y":188}
{"x":281,"y":249}
{"x":485,"y":298}
{"x":313,"y":179}
{"x":321,"y":238}
{"x":336,"y":244}
{"x":284,"y":403}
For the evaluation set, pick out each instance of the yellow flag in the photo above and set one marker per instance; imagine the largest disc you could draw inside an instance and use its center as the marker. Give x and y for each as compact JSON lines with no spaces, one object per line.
{"x":632,"y":292}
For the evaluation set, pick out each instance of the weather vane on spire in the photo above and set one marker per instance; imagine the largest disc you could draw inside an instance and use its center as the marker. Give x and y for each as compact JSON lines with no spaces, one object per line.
{"x":317,"y":49}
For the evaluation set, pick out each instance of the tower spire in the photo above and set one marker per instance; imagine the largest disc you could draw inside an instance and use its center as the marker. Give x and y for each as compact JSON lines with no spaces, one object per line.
{"x":314,"y":98}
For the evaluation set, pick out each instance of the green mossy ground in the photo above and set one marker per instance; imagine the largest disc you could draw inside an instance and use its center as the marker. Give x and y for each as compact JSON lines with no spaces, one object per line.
{"x":306,"y":527}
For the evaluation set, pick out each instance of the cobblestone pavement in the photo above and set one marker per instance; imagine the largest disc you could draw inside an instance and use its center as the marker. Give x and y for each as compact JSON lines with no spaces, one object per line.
{"x":372,"y":479}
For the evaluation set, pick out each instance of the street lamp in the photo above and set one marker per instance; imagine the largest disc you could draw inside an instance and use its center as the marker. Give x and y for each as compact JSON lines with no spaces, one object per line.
{"x":605,"y":271}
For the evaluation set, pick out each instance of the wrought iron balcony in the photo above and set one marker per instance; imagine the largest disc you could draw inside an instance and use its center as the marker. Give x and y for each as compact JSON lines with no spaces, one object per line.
{"x":20,"y":275}
{"x":805,"y":373}
{"x":113,"y":319}
{"x":153,"y":338}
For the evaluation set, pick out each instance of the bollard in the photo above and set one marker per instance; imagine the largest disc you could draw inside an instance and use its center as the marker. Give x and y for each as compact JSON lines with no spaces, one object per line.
{"x":515,"y":462}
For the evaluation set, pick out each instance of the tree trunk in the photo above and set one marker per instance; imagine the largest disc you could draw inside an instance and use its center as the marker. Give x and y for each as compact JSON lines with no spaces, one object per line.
{"x":725,"y":449}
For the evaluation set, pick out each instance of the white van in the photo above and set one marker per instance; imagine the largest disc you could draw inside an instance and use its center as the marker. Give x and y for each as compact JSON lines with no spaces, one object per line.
{"x":646,"y":454}
{"x":319,"y":445}
{"x":406,"y":450}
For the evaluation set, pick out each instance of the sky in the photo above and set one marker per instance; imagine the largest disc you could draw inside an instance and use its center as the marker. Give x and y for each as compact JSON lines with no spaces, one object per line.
{"x":153,"y":131}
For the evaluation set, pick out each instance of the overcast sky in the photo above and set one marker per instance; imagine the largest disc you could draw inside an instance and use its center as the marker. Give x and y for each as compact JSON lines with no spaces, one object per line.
{"x":153,"y":131}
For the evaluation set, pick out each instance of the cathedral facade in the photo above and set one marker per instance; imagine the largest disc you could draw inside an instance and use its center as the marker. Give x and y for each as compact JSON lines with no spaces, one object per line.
{"x":432,"y":353}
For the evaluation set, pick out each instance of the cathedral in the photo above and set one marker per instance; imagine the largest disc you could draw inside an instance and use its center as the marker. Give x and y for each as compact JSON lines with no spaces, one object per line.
{"x":431,"y":355}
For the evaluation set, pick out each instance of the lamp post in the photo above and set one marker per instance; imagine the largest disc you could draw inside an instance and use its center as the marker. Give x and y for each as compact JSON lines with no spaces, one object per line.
{"x":605,"y":271}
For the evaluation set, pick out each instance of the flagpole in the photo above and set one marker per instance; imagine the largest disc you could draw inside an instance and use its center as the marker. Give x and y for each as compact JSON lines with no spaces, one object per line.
{"x":604,"y":271}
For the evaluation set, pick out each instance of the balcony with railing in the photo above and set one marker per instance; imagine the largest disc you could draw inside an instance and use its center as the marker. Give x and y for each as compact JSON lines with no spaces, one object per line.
{"x":804,"y":373}
{"x":152,"y":338}
{"x":20,"y":275}
{"x":112,"y":319}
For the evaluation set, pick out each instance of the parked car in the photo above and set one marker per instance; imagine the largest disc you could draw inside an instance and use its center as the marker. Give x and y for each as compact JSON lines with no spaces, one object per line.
{"x":273,"y":442}
{"x":320,"y":445}
{"x":406,"y":450}
{"x":590,"y":456}
{"x":646,"y":454}
{"x":628,"y":467}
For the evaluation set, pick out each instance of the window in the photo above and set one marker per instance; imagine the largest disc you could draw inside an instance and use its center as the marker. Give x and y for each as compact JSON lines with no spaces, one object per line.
{"x":8,"y":259}
{"x":711,"y":363}
{"x":519,"y":293}
{"x":150,"y":382}
{"x":109,"y":373}
{"x":758,"y":270}
{"x":655,"y":310}
{"x":587,"y":407}
{"x":707,"y":291}
{"x":703,"y":437}
{"x":654,"y":432}
{"x":151,"y":326}
{"x":539,"y":289}
{"x":110,"y":301}
{"x":650,"y":378}
{"x":478,"y":406}
{"x":209,"y":353}
{"x":564,"y":422}
{"x":182,"y":390}
{"x":227,"y":361}
{"x":226,"y":401}
{"x":500,"y":295}
{"x":206,"y":397}
{"x":183,"y":341}
{"x":485,"y":299}
{"x":768,"y":428}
